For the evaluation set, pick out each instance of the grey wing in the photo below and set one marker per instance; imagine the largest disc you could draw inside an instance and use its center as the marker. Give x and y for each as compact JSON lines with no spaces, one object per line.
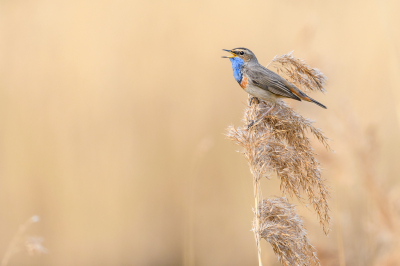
{"x":268,"y":80}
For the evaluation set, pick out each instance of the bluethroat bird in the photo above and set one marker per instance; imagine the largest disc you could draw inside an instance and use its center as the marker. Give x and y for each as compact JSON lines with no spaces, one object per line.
{"x":261,"y":82}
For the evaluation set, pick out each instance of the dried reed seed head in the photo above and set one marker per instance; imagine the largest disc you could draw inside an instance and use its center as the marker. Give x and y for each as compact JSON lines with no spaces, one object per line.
{"x":279,"y":144}
{"x":283,"y":229}
{"x":299,"y":73}
{"x":285,"y":123}
{"x":34,"y":245}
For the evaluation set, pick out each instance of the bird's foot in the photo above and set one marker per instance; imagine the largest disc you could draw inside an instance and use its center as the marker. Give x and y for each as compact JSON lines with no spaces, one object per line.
{"x":255,"y":99}
{"x":255,"y":122}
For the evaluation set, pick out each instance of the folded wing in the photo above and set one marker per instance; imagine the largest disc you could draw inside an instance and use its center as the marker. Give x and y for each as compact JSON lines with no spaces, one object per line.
{"x":268,"y":80}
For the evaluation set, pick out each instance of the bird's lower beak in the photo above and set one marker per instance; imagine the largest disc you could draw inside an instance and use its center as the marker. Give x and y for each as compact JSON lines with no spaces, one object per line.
{"x":229,"y":51}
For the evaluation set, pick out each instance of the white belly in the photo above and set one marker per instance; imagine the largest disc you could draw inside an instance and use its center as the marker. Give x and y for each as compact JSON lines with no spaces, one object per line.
{"x":262,"y":94}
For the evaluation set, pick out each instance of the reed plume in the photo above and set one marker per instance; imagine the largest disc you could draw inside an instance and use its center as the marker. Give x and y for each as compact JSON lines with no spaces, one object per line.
{"x":33,"y":244}
{"x":299,"y":73}
{"x":284,"y":230}
{"x":279,"y":144}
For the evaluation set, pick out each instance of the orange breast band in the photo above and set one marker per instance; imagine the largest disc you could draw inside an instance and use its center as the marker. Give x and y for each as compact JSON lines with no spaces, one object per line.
{"x":244,"y":83}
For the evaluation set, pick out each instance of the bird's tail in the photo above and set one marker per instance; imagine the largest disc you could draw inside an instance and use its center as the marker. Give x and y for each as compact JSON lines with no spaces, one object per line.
{"x":317,"y":103}
{"x":305,"y":97}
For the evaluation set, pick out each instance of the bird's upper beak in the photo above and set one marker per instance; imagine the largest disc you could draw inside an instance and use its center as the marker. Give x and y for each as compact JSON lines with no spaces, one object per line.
{"x":229,"y":51}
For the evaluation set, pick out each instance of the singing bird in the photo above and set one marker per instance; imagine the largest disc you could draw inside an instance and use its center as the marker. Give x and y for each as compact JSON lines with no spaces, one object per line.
{"x":261,"y":82}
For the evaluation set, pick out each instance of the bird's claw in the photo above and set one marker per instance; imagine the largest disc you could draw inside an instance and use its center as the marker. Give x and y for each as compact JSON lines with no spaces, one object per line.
{"x":254,"y":98}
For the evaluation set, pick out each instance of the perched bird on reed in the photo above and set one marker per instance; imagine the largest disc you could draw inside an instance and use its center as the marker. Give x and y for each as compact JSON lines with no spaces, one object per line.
{"x":261,"y":82}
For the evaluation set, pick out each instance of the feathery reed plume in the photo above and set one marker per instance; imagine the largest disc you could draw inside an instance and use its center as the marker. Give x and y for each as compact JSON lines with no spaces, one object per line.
{"x":299,"y":73}
{"x":33,"y":244}
{"x":283,"y":229}
{"x":279,"y":144}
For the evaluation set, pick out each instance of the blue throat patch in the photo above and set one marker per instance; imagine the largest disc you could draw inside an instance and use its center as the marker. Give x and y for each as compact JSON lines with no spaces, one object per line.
{"x":237,"y":64}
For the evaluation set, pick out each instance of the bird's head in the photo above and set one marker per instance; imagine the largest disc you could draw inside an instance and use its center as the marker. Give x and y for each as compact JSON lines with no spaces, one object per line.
{"x":241,"y":53}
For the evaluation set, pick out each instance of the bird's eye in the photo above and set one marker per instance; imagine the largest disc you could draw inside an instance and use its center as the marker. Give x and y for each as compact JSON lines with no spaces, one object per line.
{"x":241,"y":53}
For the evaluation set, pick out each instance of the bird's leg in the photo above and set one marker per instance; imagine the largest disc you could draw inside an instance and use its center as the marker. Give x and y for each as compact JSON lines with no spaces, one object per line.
{"x":254,"y":98}
{"x":253,"y":123}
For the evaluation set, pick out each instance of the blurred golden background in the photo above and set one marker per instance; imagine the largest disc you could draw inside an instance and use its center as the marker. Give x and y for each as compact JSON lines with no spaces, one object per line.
{"x":112,"y":121}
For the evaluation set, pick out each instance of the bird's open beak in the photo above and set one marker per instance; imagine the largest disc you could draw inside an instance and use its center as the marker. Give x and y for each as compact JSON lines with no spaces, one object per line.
{"x":229,"y":51}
